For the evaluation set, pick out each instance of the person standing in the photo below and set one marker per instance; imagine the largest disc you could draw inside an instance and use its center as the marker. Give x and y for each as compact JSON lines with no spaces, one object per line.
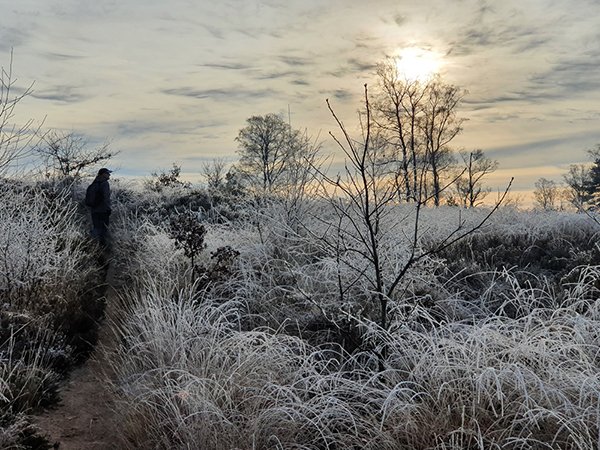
{"x":100,"y":206}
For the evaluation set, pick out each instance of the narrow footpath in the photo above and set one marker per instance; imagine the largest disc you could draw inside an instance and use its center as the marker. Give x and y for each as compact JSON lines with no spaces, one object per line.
{"x":83,"y":420}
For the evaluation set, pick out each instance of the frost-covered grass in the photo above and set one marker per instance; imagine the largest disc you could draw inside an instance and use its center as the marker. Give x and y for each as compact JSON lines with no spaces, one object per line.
{"x":43,"y":252}
{"x":493,"y":357}
{"x":187,"y":376}
{"x":48,"y":297}
{"x":499,"y":382}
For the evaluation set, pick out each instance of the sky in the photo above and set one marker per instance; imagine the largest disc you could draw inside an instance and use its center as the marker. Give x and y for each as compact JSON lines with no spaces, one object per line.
{"x":174,"y":81}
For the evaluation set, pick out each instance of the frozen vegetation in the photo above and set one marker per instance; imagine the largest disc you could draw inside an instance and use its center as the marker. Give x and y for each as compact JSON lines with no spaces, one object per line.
{"x":284,"y":307}
{"x":491,"y":343}
{"x":253,"y":330}
{"x":50,"y":297}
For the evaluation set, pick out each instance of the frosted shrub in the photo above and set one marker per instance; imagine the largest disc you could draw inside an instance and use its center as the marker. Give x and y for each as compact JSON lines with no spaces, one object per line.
{"x":187,"y":377}
{"x":140,"y":241}
{"x":30,"y":362}
{"x":43,"y":251}
{"x":149,"y":253}
{"x":307,"y":270}
{"x":476,"y":356}
{"x":142,"y":230}
{"x":46,"y":274}
{"x":546,"y":244}
{"x":500,"y":382}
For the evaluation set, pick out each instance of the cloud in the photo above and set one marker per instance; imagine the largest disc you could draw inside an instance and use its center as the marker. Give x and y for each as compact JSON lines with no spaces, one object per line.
{"x":343,"y":95}
{"x":513,"y":39}
{"x":61,"y":93}
{"x":357,"y":65}
{"x":524,"y":96}
{"x":399,"y":19}
{"x":295,"y":61}
{"x":532,"y":43}
{"x":352,"y":66}
{"x":221,"y":94}
{"x":300,"y":82}
{"x":571,"y":75}
{"x":215,"y":32}
{"x":364,"y":41}
{"x":276,"y":75}
{"x":136,"y":127}
{"x":227,"y":66}
{"x":557,"y":151}
{"x":11,"y":37}
{"x":62,"y":56}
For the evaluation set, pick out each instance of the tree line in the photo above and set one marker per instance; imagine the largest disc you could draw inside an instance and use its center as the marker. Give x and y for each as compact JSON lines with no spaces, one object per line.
{"x":414,"y":123}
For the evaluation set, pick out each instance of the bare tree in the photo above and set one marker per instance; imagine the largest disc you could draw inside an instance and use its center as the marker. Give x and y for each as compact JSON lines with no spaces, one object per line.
{"x":546,"y":194}
{"x":69,"y":155}
{"x":363,"y":199}
{"x":398,"y":108}
{"x":366,"y":191}
{"x":440,"y":126}
{"x":578,"y":181}
{"x":271,"y":153}
{"x":215,"y":174}
{"x":469,"y":186}
{"x":419,"y":121}
{"x":15,"y":140}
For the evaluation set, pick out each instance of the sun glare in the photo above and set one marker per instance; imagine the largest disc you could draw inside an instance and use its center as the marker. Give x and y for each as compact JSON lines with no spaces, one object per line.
{"x":417,"y":64}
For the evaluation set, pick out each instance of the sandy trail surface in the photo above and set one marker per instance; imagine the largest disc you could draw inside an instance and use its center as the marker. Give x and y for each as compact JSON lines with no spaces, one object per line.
{"x":84,"y":418}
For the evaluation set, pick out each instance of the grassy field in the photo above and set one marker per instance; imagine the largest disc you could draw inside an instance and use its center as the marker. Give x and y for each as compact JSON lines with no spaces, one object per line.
{"x":491,"y":343}
{"x":257,"y":326}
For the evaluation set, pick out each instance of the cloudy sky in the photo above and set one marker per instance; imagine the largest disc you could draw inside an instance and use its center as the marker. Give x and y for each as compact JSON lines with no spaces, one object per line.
{"x":174,"y":81}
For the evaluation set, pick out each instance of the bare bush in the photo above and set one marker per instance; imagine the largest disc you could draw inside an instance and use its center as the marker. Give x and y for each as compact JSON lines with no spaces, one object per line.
{"x":15,"y":140}
{"x":68,"y":155}
{"x":43,"y":254}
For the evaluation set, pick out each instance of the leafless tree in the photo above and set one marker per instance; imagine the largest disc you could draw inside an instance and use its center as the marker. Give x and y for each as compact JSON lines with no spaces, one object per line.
{"x":215,"y":174}
{"x":15,"y":140}
{"x":69,"y":155}
{"x":440,"y":126}
{"x":398,"y":108}
{"x":362,"y":198}
{"x":271,"y":154}
{"x":469,"y":186}
{"x":546,"y":194}
{"x":578,"y":180}
{"x":419,"y":121}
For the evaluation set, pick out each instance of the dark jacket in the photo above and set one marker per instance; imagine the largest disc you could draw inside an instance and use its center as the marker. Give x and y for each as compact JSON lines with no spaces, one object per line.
{"x":104,"y":205}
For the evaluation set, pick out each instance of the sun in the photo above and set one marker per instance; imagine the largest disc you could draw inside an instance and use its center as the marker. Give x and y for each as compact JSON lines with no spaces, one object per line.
{"x":415,"y":63}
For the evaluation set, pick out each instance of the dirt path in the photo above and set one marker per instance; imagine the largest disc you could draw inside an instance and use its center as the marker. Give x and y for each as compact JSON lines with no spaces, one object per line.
{"x":83,"y":419}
